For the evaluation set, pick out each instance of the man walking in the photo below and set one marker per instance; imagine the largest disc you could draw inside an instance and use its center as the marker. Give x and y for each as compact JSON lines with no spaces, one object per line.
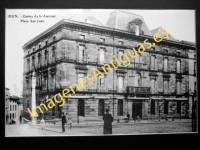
{"x":108,"y":119}
{"x":63,"y":122}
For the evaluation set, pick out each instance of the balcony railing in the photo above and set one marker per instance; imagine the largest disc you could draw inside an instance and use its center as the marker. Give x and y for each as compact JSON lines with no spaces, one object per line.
{"x":138,"y":90}
{"x":138,"y":65}
{"x":81,"y":59}
{"x":121,"y":90}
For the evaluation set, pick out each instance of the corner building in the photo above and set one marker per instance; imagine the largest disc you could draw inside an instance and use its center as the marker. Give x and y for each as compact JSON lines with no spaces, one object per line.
{"x":154,"y":83}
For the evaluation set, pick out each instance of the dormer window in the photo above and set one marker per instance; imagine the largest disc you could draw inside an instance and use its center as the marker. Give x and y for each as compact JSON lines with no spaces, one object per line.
{"x":121,"y":43}
{"x":135,"y":26}
{"x":33,"y":49}
{"x":178,"y":53}
{"x":102,"y":40}
{"x":166,"y":51}
{"x":28,"y":52}
{"x":39,"y":46}
{"x":82,"y":37}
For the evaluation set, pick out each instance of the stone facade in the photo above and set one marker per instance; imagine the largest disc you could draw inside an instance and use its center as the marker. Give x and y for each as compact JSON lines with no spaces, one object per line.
{"x":55,"y":56}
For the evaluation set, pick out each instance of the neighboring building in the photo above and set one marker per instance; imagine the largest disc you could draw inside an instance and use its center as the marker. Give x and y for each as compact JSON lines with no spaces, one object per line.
{"x":70,"y":49}
{"x":13,"y":106}
{"x":7,"y":98}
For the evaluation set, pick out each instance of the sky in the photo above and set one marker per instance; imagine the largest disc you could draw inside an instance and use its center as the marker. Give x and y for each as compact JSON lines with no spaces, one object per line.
{"x":179,"y":23}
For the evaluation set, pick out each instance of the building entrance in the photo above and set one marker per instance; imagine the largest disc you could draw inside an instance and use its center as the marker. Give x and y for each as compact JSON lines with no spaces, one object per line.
{"x":81,"y":107}
{"x":136,"y":109}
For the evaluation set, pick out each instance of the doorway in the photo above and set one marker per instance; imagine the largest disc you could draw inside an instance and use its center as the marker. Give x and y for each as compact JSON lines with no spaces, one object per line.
{"x":153,"y":107}
{"x":120,"y":107}
{"x":101,"y":107}
{"x":136,"y":109}
{"x":166,"y":107}
{"x":81,"y":107}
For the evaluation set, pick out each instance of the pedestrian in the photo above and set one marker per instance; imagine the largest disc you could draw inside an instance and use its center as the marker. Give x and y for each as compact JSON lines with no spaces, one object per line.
{"x":20,"y":118}
{"x":108,"y":119}
{"x":128,"y":116}
{"x":42,"y":122}
{"x":7,"y":119}
{"x":70,"y":122}
{"x":64,"y":121}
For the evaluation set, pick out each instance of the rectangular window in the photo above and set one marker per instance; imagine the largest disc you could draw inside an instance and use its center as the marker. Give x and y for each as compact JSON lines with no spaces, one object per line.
{"x":102,"y":40}
{"x":102,"y":55}
{"x":81,"y":52}
{"x":178,"y":66}
{"x":152,"y":62}
{"x":82,"y":37}
{"x":10,"y":108}
{"x":28,"y":52}
{"x":33,"y":49}
{"x":166,"y":87}
{"x":165,"y":64}
{"x":178,"y":87}
{"x":39,"y":46}
{"x":46,"y":42}
{"x":101,"y":81}
{"x":80,"y":76}
{"x":120,"y":53}
{"x":137,"y":31}
{"x":131,"y":80}
{"x":194,"y":67}
{"x":152,"y":86}
{"x":120,"y":83}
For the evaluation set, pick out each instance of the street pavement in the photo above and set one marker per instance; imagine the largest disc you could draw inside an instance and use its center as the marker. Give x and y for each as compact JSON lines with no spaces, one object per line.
{"x":96,"y":128}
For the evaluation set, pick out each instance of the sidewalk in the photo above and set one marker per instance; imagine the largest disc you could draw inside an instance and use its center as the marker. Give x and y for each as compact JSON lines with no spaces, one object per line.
{"x":92,"y":128}
{"x":85,"y":124}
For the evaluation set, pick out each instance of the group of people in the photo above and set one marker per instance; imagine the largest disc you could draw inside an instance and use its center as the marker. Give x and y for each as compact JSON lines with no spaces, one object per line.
{"x":64,"y":120}
{"x":67,"y":121}
{"x":127,"y":117}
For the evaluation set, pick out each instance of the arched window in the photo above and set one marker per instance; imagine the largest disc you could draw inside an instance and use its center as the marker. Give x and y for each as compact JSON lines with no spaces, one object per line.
{"x":101,"y":107}
{"x":120,"y":107}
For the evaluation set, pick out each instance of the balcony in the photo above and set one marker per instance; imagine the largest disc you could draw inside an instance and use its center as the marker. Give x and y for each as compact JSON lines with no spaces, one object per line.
{"x":101,"y":89}
{"x":121,"y":90}
{"x":81,"y":59}
{"x":138,"y":90}
{"x":138,"y":65}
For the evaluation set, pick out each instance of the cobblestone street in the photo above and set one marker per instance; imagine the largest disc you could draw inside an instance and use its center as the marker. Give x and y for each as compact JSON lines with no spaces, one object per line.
{"x":176,"y":126}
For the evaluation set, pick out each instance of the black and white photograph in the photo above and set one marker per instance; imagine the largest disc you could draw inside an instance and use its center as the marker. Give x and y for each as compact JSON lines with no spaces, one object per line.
{"x":96,"y":72}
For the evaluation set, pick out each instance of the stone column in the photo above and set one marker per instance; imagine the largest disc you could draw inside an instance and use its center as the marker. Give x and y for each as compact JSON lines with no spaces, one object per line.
{"x":33,"y":102}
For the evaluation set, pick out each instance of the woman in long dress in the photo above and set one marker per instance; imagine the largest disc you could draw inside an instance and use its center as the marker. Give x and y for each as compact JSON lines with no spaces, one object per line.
{"x":42,"y":124}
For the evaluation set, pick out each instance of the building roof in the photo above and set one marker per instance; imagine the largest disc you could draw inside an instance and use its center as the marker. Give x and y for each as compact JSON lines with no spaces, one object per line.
{"x":87,"y":18}
{"x":188,"y":43}
{"x":162,"y":36}
{"x":120,"y":20}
